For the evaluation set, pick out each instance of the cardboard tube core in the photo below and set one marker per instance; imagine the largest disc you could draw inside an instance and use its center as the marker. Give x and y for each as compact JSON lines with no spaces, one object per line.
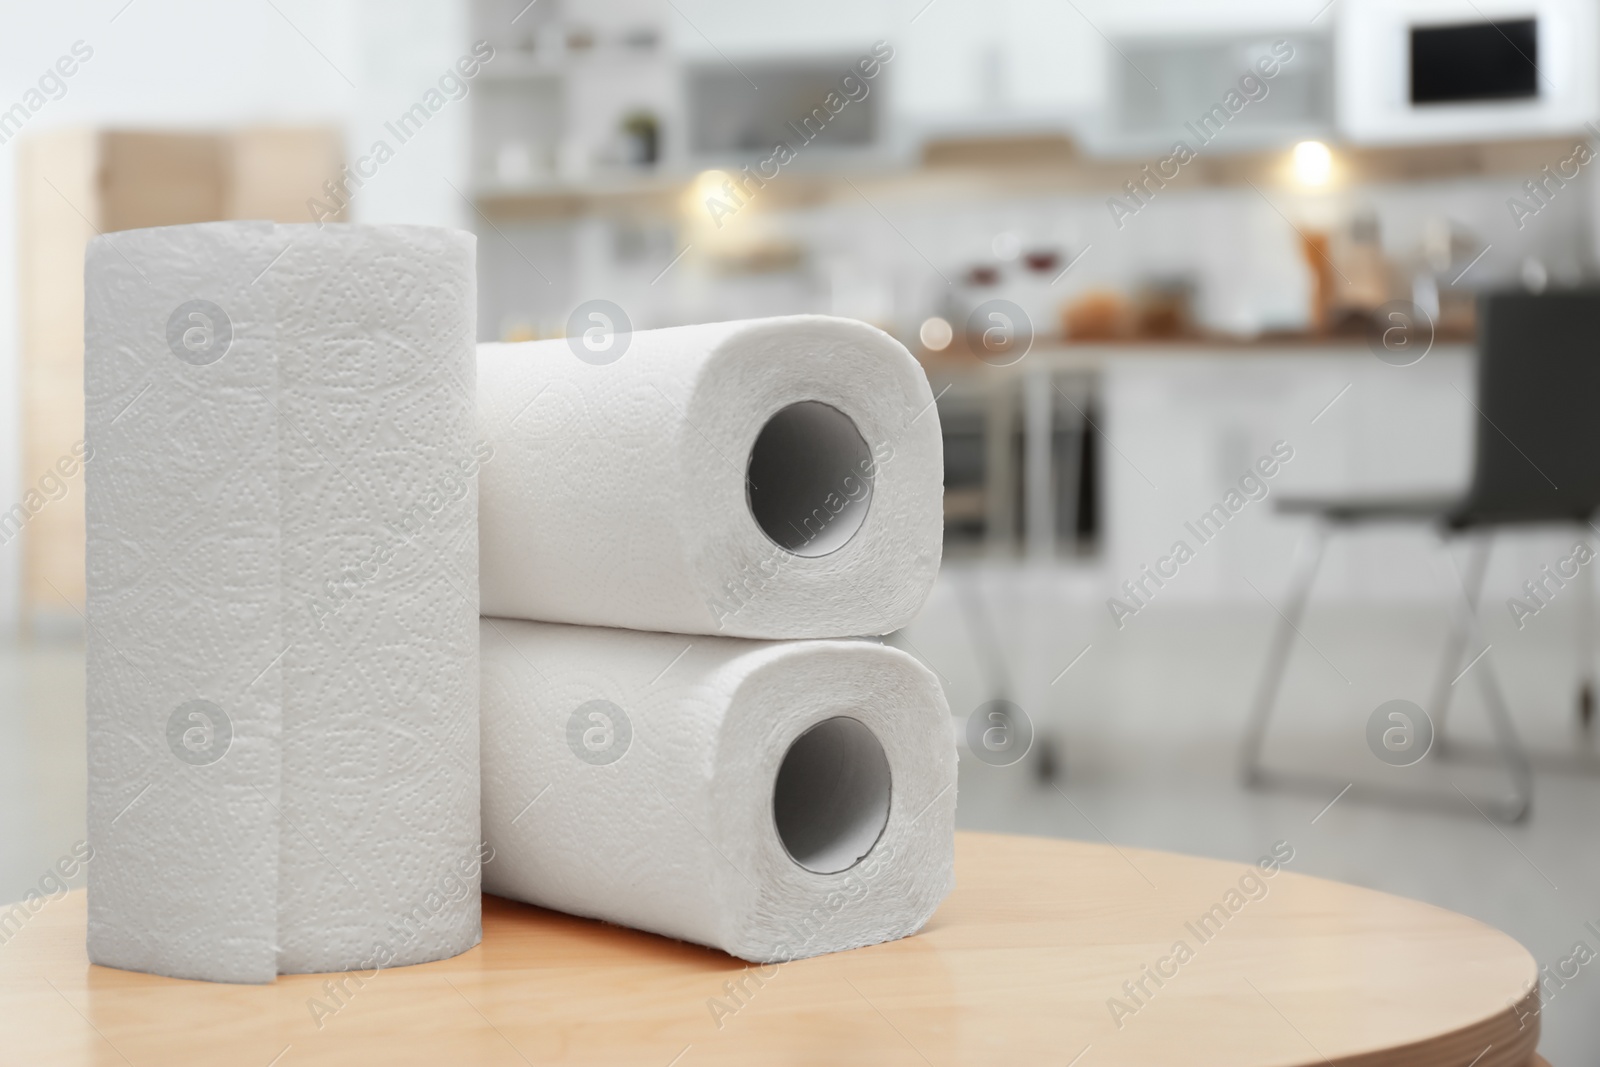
{"x":831,"y":799}
{"x":809,"y":479}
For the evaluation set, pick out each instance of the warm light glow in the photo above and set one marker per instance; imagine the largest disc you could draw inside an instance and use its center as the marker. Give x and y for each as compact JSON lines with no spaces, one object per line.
{"x":1313,"y":163}
{"x":707,"y":185}
{"x":936,"y":334}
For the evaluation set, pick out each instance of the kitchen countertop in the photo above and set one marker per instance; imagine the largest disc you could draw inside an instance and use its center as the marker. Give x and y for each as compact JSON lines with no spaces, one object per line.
{"x":1089,"y":355}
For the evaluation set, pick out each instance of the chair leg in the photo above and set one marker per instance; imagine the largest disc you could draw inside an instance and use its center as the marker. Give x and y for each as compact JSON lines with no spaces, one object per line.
{"x":1516,"y":760}
{"x":1468,"y":628}
{"x":1507,"y":741}
{"x":1307,"y":563}
{"x":1455,"y":644}
{"x":1586,"y":650}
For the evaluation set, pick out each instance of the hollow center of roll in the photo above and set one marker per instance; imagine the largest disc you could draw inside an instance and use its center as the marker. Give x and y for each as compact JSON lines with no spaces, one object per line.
{"x":831,"y":800}
{"x":809,"y":481}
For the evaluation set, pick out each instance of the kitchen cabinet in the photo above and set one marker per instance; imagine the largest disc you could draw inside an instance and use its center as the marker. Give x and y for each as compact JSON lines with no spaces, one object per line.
{"x":1186,"y":427}
{"x":1109,"y":450}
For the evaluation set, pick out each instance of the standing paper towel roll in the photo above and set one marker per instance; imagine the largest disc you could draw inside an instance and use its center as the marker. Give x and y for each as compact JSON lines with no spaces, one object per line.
{"x":282,"y":598}
{"x":772,"y":478}
{"x":774,"y":799}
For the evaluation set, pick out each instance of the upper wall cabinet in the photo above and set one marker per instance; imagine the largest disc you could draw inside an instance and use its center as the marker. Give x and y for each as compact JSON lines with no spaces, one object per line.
{"x":1232,"y":92}
{"x":1465,"y":70}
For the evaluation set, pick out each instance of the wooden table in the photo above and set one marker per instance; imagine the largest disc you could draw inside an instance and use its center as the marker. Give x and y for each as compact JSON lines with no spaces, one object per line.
{"x":1016,"y":968}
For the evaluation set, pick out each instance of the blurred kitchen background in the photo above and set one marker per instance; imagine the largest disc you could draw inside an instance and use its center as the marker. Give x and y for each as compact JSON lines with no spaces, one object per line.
{"x":1117,"y":332}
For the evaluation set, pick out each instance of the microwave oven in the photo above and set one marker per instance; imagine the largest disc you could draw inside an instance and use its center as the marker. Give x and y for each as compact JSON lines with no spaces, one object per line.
{"x":1465,"y":70}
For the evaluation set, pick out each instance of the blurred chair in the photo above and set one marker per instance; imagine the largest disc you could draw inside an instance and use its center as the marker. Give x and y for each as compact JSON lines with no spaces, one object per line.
{"x":1536,"y":462}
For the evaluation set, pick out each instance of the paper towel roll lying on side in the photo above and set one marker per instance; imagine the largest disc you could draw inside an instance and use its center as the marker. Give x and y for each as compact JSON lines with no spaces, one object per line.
{"x":771,"y":478}
{"x":774,"y":799}
{"x":282,"y":582}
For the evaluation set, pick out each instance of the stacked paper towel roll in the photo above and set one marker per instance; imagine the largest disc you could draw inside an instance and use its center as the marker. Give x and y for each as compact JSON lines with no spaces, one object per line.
{"x":776,"y":479}
{"x":282,"y":598}
{"x":774,"y":799}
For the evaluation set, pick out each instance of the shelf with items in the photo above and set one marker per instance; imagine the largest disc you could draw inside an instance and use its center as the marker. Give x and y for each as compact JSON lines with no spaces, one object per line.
{"x":577,"y":96}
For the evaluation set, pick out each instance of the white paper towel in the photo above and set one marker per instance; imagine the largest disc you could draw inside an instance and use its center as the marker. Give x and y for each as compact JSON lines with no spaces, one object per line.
{"x":282,"y":598}
{"x":621,"y":496}
{"x":635,"y":777}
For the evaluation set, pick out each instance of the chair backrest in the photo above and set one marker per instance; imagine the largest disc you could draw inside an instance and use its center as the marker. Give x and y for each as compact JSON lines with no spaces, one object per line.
{"x":1537,"y":447}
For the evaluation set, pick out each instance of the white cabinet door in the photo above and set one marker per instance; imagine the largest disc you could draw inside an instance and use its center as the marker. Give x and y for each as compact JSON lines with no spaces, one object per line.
{"x":1186,"y":430}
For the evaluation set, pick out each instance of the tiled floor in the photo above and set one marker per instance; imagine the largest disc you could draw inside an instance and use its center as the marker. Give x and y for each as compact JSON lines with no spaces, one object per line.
{"x":1144,"y":727}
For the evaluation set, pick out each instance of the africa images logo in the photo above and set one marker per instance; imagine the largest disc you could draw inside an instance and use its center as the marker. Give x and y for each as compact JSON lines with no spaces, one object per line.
{"x":199,"y":733}
{"x":199,"y":332}
{"x":599,"y":732}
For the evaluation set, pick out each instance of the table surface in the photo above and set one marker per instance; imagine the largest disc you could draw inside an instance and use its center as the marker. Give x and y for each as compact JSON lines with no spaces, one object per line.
{"x":1019,"y":966}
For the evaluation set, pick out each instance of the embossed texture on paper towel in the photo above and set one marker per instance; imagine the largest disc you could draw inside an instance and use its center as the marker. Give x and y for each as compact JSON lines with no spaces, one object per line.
{"x":282,"y":535}
{"x":625,"y":494}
